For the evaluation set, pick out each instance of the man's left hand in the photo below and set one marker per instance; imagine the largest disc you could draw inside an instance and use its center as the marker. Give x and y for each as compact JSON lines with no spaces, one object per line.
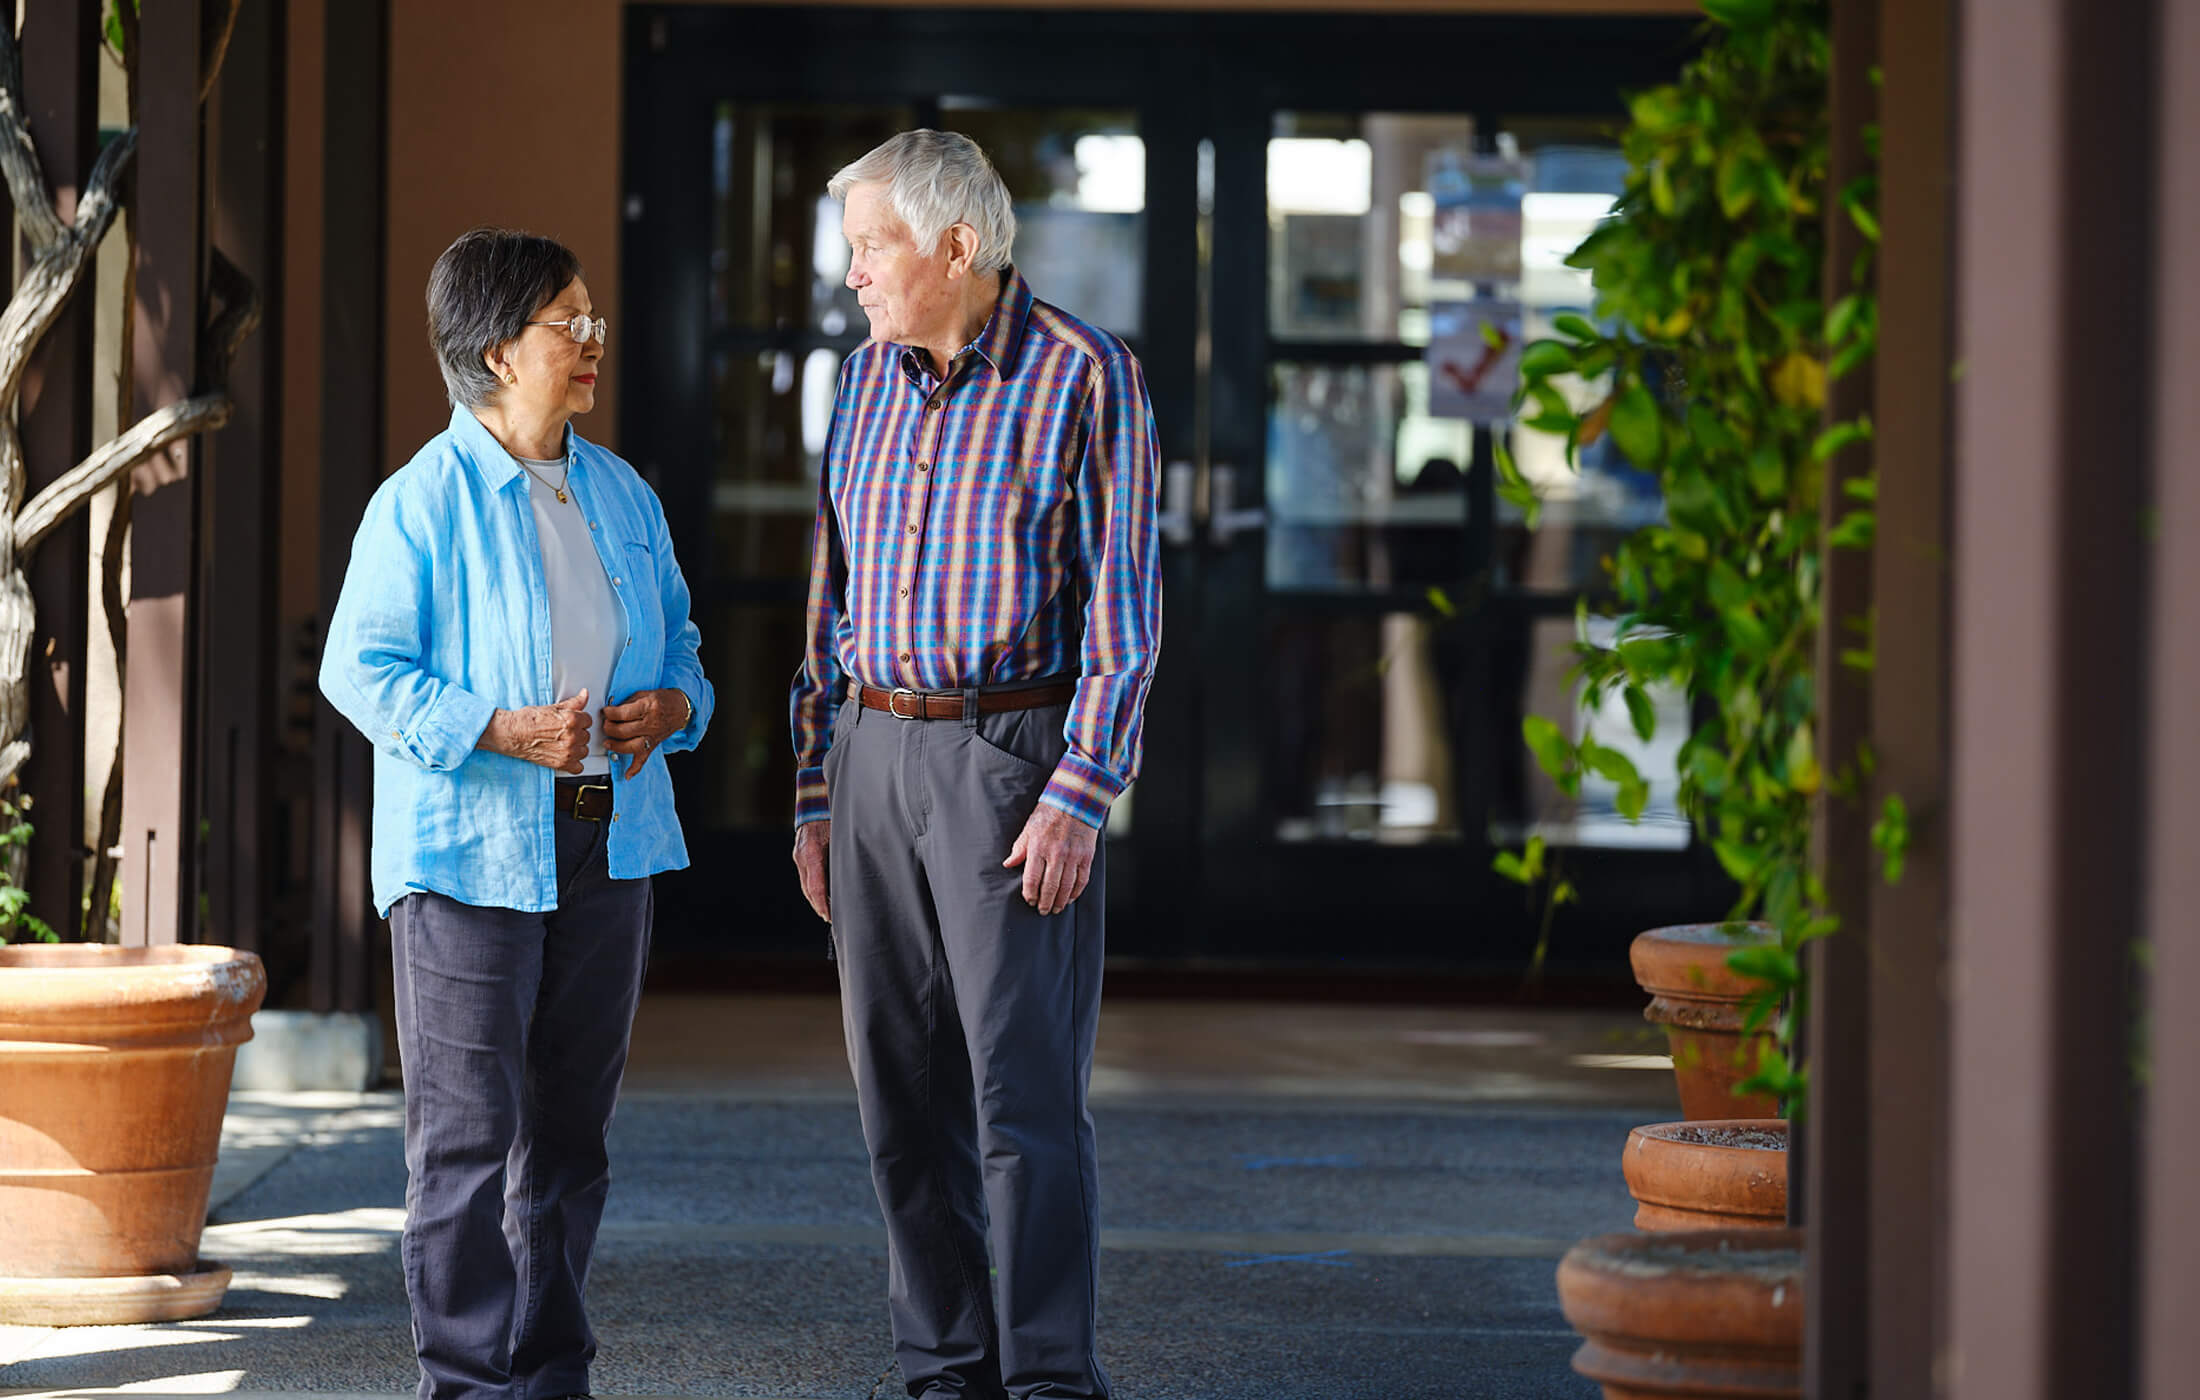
{"x":1056,"y":852}
{"x":645,"y":720}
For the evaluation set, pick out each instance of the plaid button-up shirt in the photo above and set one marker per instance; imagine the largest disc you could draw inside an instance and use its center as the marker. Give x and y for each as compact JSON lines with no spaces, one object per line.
{"x":995,"y":526}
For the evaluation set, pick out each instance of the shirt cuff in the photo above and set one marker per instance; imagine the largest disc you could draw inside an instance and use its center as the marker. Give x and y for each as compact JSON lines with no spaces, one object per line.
{"x":1083,"y":789}
{"x":684,"y":738}
{"x":449,"y":729}
{"x":809,"y":795}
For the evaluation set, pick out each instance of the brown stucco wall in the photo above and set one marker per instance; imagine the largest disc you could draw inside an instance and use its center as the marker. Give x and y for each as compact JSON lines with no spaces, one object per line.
{"x":501,"y":112}
{"x":484,"y":129}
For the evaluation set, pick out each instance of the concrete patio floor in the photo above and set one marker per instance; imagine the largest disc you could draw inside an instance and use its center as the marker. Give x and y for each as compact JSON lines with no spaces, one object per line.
{"x":1299,"y":1201}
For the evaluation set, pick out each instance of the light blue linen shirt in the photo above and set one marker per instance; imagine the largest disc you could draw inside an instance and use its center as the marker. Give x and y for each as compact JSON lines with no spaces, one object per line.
{"x":445,"y":619}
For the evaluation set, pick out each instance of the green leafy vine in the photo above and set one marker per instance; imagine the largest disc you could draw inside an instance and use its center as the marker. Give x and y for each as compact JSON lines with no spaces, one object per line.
{"x":17,"y":923}
{"x":1708,"y":362}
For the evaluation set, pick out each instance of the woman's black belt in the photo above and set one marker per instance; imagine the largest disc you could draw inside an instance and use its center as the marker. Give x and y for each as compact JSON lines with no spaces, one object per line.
{"x":588,"y":799}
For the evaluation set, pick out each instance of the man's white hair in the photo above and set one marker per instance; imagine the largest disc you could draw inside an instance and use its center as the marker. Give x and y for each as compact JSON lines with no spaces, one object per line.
{"x":935,"y":180}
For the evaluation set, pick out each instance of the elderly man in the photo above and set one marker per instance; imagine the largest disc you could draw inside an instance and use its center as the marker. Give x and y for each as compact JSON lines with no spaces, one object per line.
{"x":985,"y":584}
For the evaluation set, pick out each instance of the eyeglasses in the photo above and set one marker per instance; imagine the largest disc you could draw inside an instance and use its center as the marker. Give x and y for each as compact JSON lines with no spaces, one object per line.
{"x":582,"y":327}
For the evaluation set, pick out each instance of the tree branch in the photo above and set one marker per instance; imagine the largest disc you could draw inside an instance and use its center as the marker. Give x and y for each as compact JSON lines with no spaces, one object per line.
{"x":217,"y":51}
{"x":59,"y":267}
{"x":104,"y":864}
{"x":206,"y":411}
{"x":225,"y":334}
{"x":156,"y":430}
{"x":19,"y":158}
{"x":102,"y":197}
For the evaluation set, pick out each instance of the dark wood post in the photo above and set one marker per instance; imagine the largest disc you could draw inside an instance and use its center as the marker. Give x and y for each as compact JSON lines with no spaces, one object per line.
{"x":245,"y":149}
{"x":1834,"y":1190}
{"x":2055,"y":183}
{"x":354,"y":212}
{"x":61,"y":42}
{"x":1906,"y":929}
{"x":2170,"y":1270}
{"x":159,"y":794}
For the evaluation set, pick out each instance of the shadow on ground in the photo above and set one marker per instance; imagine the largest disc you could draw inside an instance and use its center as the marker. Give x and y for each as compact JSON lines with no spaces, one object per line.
{"x":1260,"y":1247}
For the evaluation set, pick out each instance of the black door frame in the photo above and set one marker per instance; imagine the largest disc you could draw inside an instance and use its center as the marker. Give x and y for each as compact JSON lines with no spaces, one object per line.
{"x":1191,"y":882}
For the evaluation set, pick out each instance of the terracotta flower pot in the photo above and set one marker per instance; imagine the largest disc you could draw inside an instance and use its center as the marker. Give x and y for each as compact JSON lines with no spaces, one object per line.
{"x":1701,"y":1002}
{"x":1698,"y":1313}
{"x":114,"y":1074}
{"x":1707,"y":1175}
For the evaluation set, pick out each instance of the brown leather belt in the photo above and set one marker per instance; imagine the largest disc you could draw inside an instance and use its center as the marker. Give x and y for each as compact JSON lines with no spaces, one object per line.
{"x":948,"y":704}
{"x":590,"y":801}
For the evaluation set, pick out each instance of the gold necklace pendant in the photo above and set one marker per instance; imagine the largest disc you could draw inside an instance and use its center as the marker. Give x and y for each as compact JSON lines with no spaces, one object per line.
{"x":556,"y":486}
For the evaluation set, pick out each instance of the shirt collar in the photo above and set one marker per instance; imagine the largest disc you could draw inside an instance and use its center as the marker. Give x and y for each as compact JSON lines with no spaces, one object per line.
{"x":1002,"y":337}
{"x":478,"y":445}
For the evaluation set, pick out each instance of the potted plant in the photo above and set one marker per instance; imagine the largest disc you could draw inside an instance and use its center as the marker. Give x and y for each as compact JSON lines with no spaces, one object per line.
{"x":1706,"y":1008}
{"x":114,"y":1075}
{"x":1707,"y":364}
{"x":1714,"y":1174}
{"x":114,"y":1062}
{"x":1700,"y":1313}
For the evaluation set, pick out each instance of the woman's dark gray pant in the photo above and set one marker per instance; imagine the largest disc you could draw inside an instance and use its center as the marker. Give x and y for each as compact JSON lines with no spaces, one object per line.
{"x":513,"y":1029}
{"x":970,"y":1023}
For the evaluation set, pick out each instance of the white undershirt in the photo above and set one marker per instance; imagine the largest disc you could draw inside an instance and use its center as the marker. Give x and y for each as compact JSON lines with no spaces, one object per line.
{"x":587,"y":621}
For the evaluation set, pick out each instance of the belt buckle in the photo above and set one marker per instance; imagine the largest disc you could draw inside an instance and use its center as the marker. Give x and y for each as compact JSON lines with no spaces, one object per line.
{"x":893,"y":703}
{"x":580,"y":798}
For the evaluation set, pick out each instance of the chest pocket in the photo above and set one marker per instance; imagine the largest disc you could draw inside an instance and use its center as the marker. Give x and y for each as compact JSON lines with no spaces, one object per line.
{"x":635,"y":574}
{"x":1049,"y":447}
{"x":1017,"y":482}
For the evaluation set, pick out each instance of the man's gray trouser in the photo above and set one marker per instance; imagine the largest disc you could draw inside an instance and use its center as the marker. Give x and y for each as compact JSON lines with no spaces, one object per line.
{"x":970,"y":1022}
{"x":513,"y":1030}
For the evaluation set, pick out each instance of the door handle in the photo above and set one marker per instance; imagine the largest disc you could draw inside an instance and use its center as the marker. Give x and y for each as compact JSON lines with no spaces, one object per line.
{"x":1225,"y":519}
{"x":1175,"y":520}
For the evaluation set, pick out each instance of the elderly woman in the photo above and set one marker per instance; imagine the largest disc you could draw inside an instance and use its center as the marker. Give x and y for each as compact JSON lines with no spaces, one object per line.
{"x":513,"y":637}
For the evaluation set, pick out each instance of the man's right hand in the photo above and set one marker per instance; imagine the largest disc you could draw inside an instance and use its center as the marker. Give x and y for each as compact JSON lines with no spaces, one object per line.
{"x":555,"y":736}
{"x":810,"y":842}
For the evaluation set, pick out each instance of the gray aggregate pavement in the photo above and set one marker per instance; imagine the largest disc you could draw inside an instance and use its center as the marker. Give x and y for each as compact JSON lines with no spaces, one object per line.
{"x":1261,"y":1248}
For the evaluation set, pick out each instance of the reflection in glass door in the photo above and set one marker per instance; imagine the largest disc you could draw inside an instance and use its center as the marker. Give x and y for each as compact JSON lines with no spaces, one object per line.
{"x":1355,"y":627}
{"x":1079,"y":181}
{"x":781,"y":321}
{"x":1396,"y":639}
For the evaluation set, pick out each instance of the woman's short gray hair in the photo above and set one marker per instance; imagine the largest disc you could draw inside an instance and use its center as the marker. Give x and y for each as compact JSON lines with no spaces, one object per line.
{"x":484,"y":290}
{"x":935,"y":180}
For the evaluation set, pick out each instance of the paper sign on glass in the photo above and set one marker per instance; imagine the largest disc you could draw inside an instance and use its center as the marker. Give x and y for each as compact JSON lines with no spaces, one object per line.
{"x":1476,"y":233}
{"x":1474,"y":359}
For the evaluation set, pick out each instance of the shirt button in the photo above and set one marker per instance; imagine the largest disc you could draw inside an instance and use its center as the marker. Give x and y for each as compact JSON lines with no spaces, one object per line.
{"x":912,"y":529}
{"x":931,"y":405}
{"x":905,"y":656}
{"x":924,"y":466}
{"x":905,"y":593}
{"x":618,"y":583}
{"x":591,"y":524}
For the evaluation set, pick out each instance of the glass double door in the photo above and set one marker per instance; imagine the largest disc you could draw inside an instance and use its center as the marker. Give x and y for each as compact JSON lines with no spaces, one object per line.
{"x":1271,"y":213}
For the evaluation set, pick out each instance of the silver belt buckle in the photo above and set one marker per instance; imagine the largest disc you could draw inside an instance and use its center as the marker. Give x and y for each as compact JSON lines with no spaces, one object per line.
{"x":893,"y":703}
